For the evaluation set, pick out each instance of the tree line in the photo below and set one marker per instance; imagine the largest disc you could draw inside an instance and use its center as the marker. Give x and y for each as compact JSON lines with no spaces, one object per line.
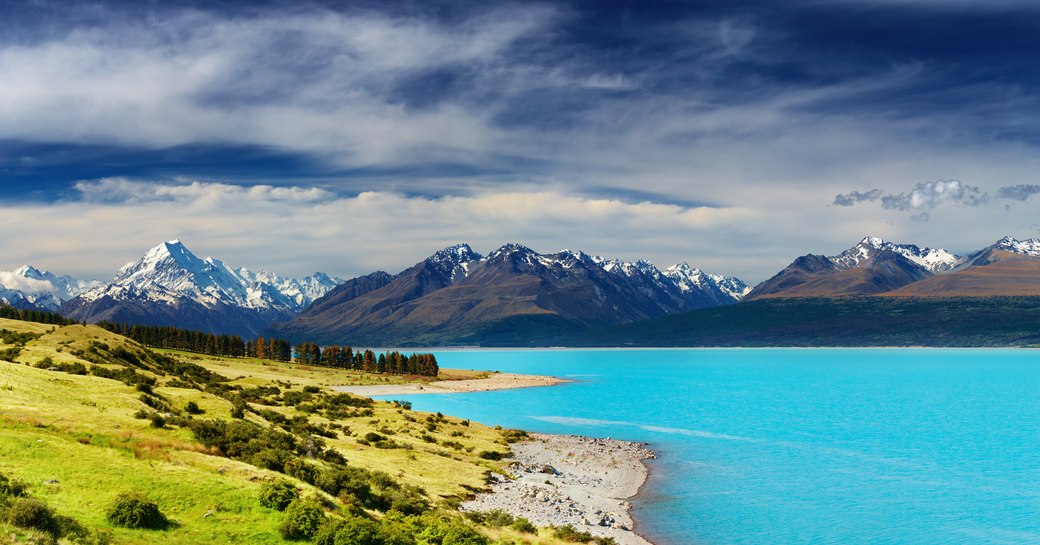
{"x":306,"y":353}
{"x":32,"y":315}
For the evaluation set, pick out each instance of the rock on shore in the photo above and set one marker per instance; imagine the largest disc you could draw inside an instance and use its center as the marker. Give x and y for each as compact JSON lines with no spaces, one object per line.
{"x":567,"y":479}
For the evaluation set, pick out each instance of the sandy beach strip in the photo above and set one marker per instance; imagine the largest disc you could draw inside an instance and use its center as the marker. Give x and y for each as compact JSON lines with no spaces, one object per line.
{"x":496,"y":381}
{"x":567,"y":479}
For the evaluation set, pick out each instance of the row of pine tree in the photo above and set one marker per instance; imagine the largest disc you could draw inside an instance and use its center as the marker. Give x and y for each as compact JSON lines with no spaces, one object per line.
{"x":306,"y":353}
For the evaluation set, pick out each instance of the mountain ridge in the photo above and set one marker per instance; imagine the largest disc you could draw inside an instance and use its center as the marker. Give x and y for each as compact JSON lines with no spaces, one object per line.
{"x":458,"y":296}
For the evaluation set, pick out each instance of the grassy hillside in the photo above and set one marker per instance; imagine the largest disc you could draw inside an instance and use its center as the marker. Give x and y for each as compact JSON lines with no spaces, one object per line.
{"x":79,"y":439}
{"x":850,"y":321}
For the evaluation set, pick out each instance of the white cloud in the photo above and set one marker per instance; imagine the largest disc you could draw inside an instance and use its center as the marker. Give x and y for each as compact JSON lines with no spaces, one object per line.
{"x":297,"y":230}
{"x":314,"y":82}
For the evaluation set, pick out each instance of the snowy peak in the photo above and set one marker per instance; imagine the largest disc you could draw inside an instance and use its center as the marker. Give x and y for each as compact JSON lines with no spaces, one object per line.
{"x":28,"y":286}
{"x":1030,"y":247}
{"x":689,"y":278}
{"x":934,"y":260}
{"x":453,"y":261}
{"x":170,"y":271}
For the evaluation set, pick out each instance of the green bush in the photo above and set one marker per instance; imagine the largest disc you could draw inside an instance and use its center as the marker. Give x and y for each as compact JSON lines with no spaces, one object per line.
{"x":490,"y":455}
{"x":446,"y":531}
{"x":157,"y":420}
{"x":497,"y":518}
{"x":133,"y":510}
{"x":303,"y":517}
{"x":524,"y":526}
{"x":350,"y":531}
{"x":193,"y":408}
{"x":10,"y":486}
{"x":571,"y":534}
{"x":278,"y":494}
{"x":31,"y":514}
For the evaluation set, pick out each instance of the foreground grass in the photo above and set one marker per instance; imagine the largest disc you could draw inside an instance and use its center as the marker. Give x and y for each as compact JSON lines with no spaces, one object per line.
{"x":78,"y":441}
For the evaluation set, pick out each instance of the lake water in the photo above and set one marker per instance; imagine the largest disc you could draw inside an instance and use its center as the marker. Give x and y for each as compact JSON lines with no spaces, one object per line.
{"x":791,"y":446}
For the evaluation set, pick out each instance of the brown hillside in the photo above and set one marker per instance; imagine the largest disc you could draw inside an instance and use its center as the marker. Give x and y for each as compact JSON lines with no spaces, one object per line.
{"x":1006,"y":273}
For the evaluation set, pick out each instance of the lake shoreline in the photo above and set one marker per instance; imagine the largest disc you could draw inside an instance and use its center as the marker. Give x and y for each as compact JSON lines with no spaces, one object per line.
{"x":582,"y":481}
{"x":495,"y":381}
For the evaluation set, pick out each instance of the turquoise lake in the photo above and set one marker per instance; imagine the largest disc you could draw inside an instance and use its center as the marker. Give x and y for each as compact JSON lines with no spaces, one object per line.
{"x":792,"y":446}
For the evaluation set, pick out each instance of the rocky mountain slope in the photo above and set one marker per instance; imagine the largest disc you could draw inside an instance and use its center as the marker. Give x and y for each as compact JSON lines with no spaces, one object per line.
{"x":458,"y":296}
{"x":870,"y":267}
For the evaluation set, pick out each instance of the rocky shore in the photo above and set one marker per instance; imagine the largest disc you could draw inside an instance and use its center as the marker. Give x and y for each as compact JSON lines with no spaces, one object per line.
{"x":566,"y":479}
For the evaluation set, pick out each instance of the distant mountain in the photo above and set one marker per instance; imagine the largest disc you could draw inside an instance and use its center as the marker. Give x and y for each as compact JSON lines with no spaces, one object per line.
{"x":1008,"y":267}
{"x":28,"y":287}
{"x":873,"y":266}
{"x":457,"y":296}
{"x":171,"y":286}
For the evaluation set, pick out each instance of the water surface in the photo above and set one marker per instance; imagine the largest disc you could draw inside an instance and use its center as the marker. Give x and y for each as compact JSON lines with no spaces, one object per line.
{"x":790,"y":446}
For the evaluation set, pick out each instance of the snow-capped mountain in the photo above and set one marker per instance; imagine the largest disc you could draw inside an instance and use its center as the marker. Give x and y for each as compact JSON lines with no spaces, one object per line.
{"x":29,"y":287}
{"x":724,"y":288}
{"x":1030,"y":247}
{"x":870,"y":267}
{"x":457,"y":295}
{"x":935,"y":260}
{"x":169,"y":284}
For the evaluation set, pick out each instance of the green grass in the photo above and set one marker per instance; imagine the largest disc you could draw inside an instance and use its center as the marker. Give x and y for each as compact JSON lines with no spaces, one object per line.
{"x":80,"y":430}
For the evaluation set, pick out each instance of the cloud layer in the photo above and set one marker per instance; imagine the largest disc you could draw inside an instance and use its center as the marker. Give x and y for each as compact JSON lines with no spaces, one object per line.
{"x":715,"y":132}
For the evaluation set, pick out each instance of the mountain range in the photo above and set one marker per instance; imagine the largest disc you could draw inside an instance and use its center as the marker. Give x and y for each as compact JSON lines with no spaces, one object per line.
{"x":512,"y":294}
{"x":171,"y":286}
{"x":876,"y":267}
{"x":28,"y":287}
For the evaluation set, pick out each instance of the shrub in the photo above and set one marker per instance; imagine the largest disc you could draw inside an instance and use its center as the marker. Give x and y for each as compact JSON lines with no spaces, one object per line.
{"x":278,"y":494}
{"x":193,"y":408}
{"x":157,"y":420}
{"x":303,"y":517}
{"x":32,"y":514}
{"x":350,"y":531}
{"x":490,"y":455}
{"x":571,"y":534}
{"x":451,"y":532}
{"x":238,"y":410}
{"x":133,"y":510}
{"x":524,"y":526}
{"x":298,"y":468}
{"x":12,"y":487}
{"x":498,"y":518}
{"x":349,"y":481}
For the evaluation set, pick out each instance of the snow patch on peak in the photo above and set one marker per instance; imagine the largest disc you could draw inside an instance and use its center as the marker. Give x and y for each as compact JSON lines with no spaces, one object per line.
{"x":873,"y":242}
{"x":689,"y":278}
{"x":454,"y":260}
{"x":934,"y":260}
{"x":1030,"y":247}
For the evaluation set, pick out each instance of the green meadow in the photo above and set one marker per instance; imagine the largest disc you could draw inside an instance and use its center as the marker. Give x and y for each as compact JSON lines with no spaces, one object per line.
{"x":86,"y":415}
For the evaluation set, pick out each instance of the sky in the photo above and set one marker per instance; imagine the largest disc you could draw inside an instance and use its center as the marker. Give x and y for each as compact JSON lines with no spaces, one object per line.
{"x":348,"y":137}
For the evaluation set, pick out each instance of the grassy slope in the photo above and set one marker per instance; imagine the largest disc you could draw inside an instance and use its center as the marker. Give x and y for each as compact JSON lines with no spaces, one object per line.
{"x":849,"y":321}
{"x":80,"y":431}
